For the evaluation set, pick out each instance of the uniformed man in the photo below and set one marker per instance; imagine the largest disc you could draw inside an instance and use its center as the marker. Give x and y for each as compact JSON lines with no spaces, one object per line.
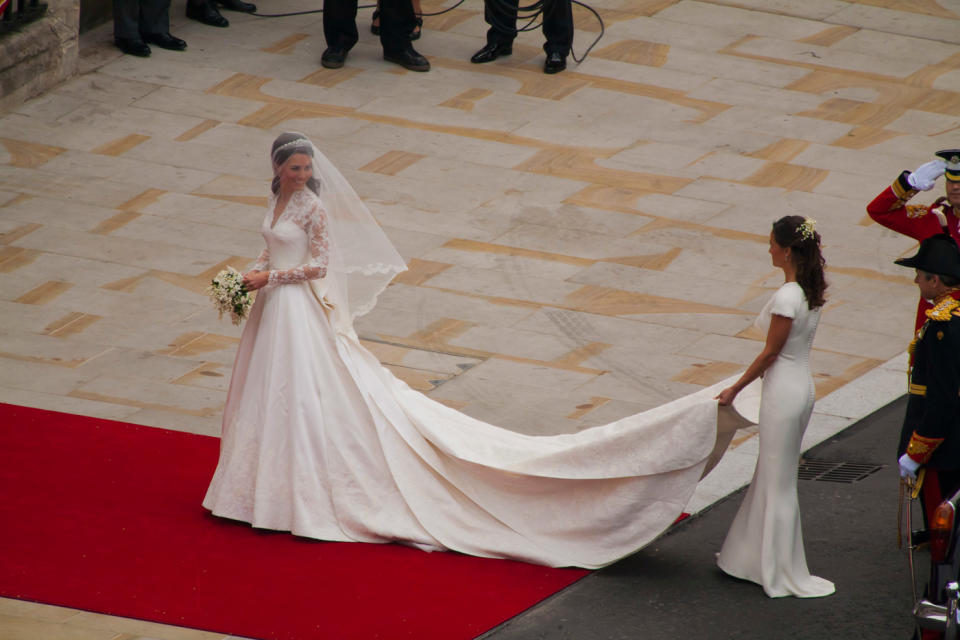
{"x":890,"y":208}
{"x":930,"y":436}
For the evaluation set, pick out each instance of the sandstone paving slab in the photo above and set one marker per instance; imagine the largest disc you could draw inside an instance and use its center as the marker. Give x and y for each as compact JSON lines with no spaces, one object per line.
{"x":775,"y":122}
{"x":146,"y":393}
{"x":517,"y":342}
{"x":438,"y":144}
{"x":722,"y":293}
{"x":742,"y":21}
{"x":65,"y":404}
{"x":51,"y":266}
{"x":235,"y":240}
{"x":657,"y":29}
{"x":450,"y":304}
{"x":580,"y":328}
{"x":91,"y":191}
{"x":647,"y":392}
{"x":811,"y":9}
{"x":716,"y":323}
{"x":836,"y":58}
{"x":40,"y":378}
{"x":522,"y":419}
{"x":128,"y":170}
{"x":578,"y":243}
{"x":187,"y":207}
{"x":662,"y":78}
{"x":499,"y":284}
{"x":153,"y":255}
{"x":205,"y":105}
{"x":506,"y":263}
{"x":899,"y":22}
{"x":51,"y":212}
{"x":719,"y":68}
{"x":743,"y":93}
{"x":523,"y":209}
{"x":199,"y":157}
{"x":881,"y":44}
{"x":200,"y":425}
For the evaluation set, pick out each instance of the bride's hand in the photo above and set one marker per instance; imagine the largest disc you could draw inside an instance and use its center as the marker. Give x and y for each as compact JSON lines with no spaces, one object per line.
{"x":256,"y":279}
{"x":726,"y":396}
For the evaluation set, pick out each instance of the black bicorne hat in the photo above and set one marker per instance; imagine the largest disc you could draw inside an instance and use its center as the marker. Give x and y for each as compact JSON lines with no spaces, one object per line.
{"x":938,"y":254}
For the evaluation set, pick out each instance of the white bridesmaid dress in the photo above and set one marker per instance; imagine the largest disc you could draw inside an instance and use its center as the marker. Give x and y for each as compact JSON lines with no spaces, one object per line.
{"x":319,"y":439}
{"x":765,"y":543}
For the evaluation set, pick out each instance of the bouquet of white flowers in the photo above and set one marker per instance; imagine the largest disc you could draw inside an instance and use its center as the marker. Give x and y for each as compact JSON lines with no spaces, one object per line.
{"x":229,"y":294}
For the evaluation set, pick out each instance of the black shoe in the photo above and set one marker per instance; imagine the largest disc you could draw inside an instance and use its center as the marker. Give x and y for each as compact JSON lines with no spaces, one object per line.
{"x":555,"y":63}
{"x":165,"y":41}
{"x":333,"y":57}
{"x":375,"y":28}
{"x":408,"y":59}
{"x":206,"y":13}
{"x":491,"y":52}
{"x":238,"y":5}
{"x":133,"y":47}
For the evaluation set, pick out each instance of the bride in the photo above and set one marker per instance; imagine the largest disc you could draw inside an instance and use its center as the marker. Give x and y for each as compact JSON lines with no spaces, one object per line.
{"x":319,"y":439}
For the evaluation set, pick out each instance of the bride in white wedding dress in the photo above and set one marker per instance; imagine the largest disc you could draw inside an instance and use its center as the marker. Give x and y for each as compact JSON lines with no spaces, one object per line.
{"x":765,"y":543}
{"x":319,"y":439}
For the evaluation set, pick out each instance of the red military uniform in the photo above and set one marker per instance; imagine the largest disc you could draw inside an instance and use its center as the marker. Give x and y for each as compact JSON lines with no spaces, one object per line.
{"x":890,"y":209}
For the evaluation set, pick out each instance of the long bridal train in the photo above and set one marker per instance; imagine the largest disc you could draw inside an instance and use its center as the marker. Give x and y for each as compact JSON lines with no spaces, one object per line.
{"x":342,"y":450}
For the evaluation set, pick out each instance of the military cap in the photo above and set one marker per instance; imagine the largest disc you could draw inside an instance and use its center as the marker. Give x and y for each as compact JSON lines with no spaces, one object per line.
{"x":938,"y":254}
{"x":952,"y":158}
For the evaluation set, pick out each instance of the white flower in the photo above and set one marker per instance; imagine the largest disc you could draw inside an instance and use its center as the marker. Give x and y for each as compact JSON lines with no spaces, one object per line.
{"x":230,"y":295}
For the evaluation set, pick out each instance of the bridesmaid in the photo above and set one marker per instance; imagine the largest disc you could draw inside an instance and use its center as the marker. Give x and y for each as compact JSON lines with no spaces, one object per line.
{"x":765,"y":544}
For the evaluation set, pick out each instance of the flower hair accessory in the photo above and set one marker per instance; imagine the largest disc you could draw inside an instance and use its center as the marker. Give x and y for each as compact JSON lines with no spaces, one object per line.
{"x":807,"y":228}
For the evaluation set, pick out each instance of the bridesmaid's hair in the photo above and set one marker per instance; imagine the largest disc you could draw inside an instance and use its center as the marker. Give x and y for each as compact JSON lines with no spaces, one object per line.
{"x":797,"y":234}
{"x":285,"y":146}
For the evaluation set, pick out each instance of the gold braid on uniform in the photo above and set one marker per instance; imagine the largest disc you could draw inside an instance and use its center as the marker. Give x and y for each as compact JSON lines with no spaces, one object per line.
{"x":943,"y":308}
{"x":920,"y":448}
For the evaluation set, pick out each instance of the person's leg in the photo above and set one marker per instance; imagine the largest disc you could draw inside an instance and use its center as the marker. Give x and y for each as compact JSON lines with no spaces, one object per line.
{"x":396,"y":23}
{"x":154,"y":17}
{"x":558,"y":26}
{"x":558,"y":32}
{"x":501,"y":15}
{"x":340,"y":24}
{"x":126,"y":20}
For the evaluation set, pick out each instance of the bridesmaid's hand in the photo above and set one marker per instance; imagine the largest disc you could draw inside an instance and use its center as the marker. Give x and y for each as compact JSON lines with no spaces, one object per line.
{"x":256,"y":279}
{"x":726,"y":396}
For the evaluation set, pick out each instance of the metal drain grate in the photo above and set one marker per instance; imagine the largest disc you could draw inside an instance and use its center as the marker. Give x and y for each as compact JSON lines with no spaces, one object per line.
{"x":834,"y":471}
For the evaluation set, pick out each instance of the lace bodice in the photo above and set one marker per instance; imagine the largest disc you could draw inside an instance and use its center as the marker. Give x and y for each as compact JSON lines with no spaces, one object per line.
{"x":789,"y":301}
{"x":297,"y":244}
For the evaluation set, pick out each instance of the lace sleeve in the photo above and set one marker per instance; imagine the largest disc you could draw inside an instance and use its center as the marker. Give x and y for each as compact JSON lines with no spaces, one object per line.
{"x":313,"y":221}
{"x":263,"y":261}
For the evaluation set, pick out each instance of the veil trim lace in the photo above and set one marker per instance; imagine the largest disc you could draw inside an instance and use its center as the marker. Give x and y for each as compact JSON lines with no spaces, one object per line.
{"x":362,"y":260}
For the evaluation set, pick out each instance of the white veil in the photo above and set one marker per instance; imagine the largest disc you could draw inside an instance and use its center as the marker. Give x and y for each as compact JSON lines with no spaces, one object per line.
{"x":362,"y":260}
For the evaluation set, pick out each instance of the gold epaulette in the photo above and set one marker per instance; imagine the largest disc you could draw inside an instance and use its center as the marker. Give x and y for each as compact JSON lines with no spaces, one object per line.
{"x":920,"y":449}
{"x":943,"y":309}
{"x":916,"y":211}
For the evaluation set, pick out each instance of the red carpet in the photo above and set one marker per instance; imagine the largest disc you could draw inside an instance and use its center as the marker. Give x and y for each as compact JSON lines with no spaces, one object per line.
{"x":106,"y":516}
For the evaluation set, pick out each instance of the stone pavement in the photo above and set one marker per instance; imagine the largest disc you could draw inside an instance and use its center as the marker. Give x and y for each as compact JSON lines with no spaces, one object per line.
{"x":581,"y":246}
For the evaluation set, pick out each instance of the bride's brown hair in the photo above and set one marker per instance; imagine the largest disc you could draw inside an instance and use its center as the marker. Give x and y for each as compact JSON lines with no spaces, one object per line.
{"x":285,"y":146}
{"x":797,"y":234}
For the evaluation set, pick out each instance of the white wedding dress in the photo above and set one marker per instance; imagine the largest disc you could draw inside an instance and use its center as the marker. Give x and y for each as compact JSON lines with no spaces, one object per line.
{"x":319,"y":439}
{"x":765,"y":543}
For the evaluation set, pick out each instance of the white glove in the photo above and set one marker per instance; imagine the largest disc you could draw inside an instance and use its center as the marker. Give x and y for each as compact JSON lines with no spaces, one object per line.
{"x":908,"y":467}
{"x":925,"y":176}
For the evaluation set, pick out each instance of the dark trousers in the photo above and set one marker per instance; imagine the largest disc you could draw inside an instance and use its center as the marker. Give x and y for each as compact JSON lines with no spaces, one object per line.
{"x":501,"y":15}
{"x":396,"y":22}
{"x":135,"y":18}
